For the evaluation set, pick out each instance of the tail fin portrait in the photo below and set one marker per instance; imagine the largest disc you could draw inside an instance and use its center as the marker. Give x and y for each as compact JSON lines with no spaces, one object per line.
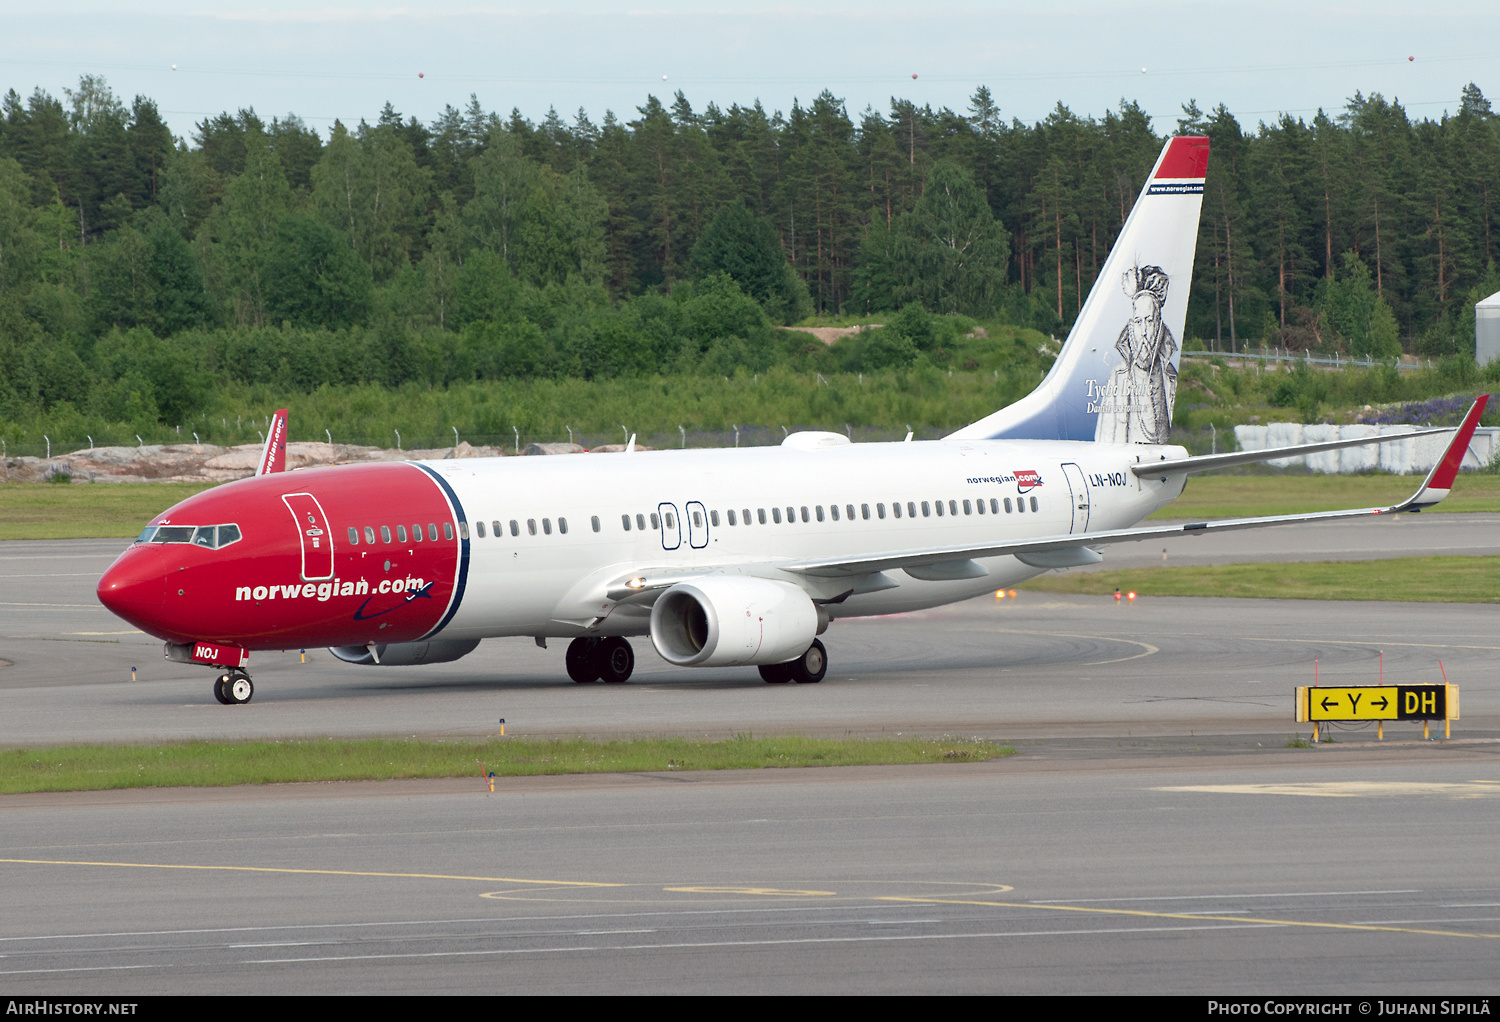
{"x":273,"y":454}
{"x":1115,"y":379}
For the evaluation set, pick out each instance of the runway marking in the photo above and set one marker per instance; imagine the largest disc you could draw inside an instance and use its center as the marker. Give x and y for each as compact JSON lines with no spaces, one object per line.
{"x":685,"y":945}
{"x":128,"y":631}
{"x":1210,"y":897}
{"x":1184,"y":915}
{"x":75,"y":606}
{"x":769,"y":891}
{"x":314,"y":872}
{"x":1146,"y":646}
{"x":1349,"y":789}
{"x":1363,"y":642}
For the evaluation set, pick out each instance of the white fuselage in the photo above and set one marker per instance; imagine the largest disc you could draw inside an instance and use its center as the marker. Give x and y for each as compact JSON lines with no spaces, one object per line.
{"x":535,"y":579}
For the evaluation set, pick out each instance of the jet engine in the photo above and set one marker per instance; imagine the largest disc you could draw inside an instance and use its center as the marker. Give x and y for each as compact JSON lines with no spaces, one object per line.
{"x":729,"y":620}
{"x":406,"y":654}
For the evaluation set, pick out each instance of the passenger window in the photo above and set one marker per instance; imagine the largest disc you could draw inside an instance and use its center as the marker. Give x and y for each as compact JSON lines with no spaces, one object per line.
{"x":744,"y":516}
{"x":760,"y":513}
{"x":820,"y":512}
{"x":385,"y":534}
{"x":926,"y":509}
{"x":228,"y":534}
{"x":1007,"y":505}
{"x":447,"y":530}
{"x":697,"y":520}
{"x":1020,"y":505}
{"x":937,"y":506}
{"x":369,"y":534}
{"x":994,"y":506}
{"x":776,"y":515}
{"x":978,"y":505}
{"x":896,"y":508}
{"x":966,"y":508}
{"x":416,"y":533}
{"x":850,"y":509}
{"x":640,"y":522}
{"x":463,"y":530}
{"x":515,"y":527}
{"x":730,"y":513}
{"x":625,"y":522}
{"x":671,"y":520}
{"x":880,"y":510}
{"x":401,"y":533}
{"x":953,"y":507}
{"x":1033,"y":503}
{"x":479,"y":528}
{"x":805,"y":517}
{"x":713,"y":518}
{"x":791,"y":515}
{"x":494,"y":528}
{"x":833,"y":509}
{"x":595,"y":522}
{"x":864,"y":510}
{"x":531,"y":526}
{"x":655,"y":522}
{"x":911,"y":509}
{"x":562,"y":526}
{"x":547,"y":526}
{"x":353,"y":536}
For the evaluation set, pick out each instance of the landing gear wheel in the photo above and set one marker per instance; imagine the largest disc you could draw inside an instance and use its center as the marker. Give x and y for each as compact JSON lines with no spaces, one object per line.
{"x":237,"y":688}
{"x":810,"y":667}
{"x":614,"y":660}
{"x":580,"y":661}
{"x":776,"y":674}
{"x":220,"y":684}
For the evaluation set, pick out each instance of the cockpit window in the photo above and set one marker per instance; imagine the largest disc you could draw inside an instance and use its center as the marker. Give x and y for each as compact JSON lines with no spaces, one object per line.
{"x":210,"y":536}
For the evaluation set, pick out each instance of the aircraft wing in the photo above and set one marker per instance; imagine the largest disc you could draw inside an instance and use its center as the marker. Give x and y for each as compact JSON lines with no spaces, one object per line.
{"x":1073,"y":549}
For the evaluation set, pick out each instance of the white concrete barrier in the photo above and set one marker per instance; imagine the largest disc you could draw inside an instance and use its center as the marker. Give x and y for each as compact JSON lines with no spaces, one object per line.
{"x":1403,"y":457}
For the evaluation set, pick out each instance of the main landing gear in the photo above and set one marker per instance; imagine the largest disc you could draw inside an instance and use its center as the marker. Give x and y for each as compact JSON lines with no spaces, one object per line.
{"x":807,"y":669}
{"x":610,"y":659}
{"x":234,"y":688}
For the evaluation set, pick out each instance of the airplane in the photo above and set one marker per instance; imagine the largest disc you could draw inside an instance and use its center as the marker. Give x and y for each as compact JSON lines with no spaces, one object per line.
{"x":730,"y":557}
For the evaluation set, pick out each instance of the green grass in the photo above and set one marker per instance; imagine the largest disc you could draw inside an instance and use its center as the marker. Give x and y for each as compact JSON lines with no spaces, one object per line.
{"x":219,"y":764}
{"x":79,"y":511}
{"x":1244,"y":496}
{"x":1407,"y":579}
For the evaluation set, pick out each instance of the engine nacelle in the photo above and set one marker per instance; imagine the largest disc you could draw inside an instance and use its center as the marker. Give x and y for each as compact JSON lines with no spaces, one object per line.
{"x":729,"y":621}
{"x":406,"y":654}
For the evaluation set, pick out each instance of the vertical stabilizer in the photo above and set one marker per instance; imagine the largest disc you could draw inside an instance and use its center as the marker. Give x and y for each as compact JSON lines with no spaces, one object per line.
{"x":273,"y":454}
{"x":1115,"y":379}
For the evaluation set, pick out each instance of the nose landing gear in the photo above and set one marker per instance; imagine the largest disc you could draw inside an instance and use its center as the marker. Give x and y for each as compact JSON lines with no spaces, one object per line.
{"x":234,"y":688}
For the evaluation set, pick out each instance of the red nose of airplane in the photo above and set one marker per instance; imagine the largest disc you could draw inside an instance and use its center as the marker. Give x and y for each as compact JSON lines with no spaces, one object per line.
{"x":133,"y":587}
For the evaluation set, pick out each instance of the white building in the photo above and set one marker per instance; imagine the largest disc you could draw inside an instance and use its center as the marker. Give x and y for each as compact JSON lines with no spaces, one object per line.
{"x":1487,"y":329}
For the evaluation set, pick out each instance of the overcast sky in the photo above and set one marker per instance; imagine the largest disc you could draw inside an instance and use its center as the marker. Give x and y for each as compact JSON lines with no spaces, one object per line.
{"x":346,"y":60}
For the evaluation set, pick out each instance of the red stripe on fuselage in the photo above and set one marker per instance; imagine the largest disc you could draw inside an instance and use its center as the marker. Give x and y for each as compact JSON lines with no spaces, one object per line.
{"x":253,"y":594}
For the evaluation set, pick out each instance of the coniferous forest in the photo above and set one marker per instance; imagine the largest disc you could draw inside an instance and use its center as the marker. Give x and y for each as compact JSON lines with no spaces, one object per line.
{"x":149,"y":282}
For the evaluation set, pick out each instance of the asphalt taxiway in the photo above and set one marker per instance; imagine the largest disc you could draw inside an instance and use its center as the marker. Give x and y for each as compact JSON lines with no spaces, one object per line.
{"x":1153,"y":834}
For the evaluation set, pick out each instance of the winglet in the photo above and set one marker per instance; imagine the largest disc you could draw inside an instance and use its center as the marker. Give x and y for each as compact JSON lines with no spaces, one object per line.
{"x":273,"y":455}
{"x":1440,"y":480}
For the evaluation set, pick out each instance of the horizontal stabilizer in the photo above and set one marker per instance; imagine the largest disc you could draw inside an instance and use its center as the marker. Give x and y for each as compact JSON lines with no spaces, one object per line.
{"x":1210,"y":462}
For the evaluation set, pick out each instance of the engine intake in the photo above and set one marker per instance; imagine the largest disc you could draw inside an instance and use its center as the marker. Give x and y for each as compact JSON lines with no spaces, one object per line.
{"x":729,"y":621}
{"x":406,"y":654}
